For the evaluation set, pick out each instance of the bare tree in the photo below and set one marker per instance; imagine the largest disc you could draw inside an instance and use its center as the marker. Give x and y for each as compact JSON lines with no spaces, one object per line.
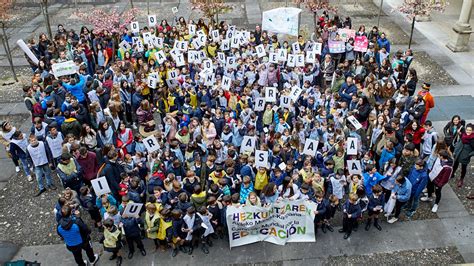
{"x":211,"y":8}
{"x":5,"y":12}
{"x":314,"y":6}
{"x":44,"y":10}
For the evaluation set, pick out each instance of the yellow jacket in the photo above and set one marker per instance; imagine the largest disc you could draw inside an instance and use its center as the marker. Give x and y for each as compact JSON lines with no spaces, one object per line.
{"x":164,"y":225}
{"x":152,"y":225}
{"x":111,"y":238}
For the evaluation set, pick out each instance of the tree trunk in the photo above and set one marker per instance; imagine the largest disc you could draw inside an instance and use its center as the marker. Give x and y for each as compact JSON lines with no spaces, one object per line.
{"x":131,"y":3}
{"x":148,"y":7}
{"x":6,"y":46}
{"x":44,"y":9}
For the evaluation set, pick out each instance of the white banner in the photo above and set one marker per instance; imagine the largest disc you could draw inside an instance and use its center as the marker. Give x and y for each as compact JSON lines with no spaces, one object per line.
{"x":281,"y":222}
{"x":281,"y":20}
{"x":64,"y":68}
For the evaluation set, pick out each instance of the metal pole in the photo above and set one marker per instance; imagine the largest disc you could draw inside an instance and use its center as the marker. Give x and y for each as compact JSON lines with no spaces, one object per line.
{"x":411,"y":32}
{"x":8,"y":52}
{"x":286,"y":3}
{"x":148,"y":7}
{"x":44,"y":6}
{"x":131,"y":3}
{"x":380,"y":12}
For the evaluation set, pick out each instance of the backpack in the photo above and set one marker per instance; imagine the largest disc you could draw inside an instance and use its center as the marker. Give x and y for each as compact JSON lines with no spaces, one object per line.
{"x":37,"y":109}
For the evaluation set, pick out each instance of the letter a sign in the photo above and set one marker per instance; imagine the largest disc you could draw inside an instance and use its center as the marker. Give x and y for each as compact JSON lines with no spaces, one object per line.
{"x":351,"y":146}
{"x":354,"y":167}
{"x":151,"y":144}
{"x":248,"y":144}
{"x":310,"y":147}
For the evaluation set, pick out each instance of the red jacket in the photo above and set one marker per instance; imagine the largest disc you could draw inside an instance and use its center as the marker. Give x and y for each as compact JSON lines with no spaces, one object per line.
{"x":417,"y":135}
{"x":89,"y":165}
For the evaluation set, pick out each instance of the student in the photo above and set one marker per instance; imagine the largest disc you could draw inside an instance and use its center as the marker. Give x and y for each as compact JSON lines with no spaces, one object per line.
{"x":112,"y":240}
{"x":165,"y":229}
{"x":330,"y":212}
{"x":18,"y":149}
{"x":401,"y":193}
{"x":375,"y":207}
{"x":320,"y":212}
{"x":40,"y":155}
{"x":70,"y":172}
{"x":371,"y":178}
{"x":418,"y":178}
{"x":439,"y":177}
{"x":132,"y":232}
{"x":245,"y":188}
{"x":194,"y":230}
{"x":337,"y":184}
{"x":88,"y":203}
{"x":76,"y":236}
{"x":351,"y":211}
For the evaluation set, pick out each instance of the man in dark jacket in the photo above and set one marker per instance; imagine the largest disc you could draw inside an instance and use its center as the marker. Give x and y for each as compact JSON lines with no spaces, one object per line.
{"x":416,"y":108}
{"x":347,"y":90}
{"x":76,"y":236}
{"x":71,"y":126}
{"x":133,"y":234}
{"x":112,"y":171}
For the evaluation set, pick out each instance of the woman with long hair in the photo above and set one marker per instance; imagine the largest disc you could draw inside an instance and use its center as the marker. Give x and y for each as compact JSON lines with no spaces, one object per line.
{"x":106,"y":133}
{"x":463,"y":151}
{"x":145,"y":119}
{"x":89,"y":138}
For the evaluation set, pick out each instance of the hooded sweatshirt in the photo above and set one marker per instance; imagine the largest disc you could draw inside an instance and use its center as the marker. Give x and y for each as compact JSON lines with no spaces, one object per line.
{"x":69,"y":231}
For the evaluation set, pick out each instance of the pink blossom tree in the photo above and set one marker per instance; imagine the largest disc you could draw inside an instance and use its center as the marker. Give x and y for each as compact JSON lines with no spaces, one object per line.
{"x":211,"y":8}
{"x":421,"y":9}
{"x":314,"y":6}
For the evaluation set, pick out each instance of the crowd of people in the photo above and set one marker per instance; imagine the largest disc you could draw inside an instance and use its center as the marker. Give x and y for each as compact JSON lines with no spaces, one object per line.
{"x":93,"y":123}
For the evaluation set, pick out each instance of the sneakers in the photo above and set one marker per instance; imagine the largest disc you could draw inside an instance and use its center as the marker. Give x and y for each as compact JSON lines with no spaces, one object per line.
{"x":40,"y":192}
{"x":96,"y":258}
{"x":435,"y":208}
{"x":347,"y":235}
{"x":425,"y":190}
{"x":392,"y":220}
{"x":143,"y":252}
{"x":426,"y":199}
{"x":17,"y":169}
{"x":29,"y":178}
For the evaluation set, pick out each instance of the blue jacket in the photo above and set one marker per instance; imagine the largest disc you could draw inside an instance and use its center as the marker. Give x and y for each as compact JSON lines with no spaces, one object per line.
{"x":130,"y":226}
{"x":418,"y":180}
{"x":386,"y":156}
{"x":76,"y":89}
{"x":70,"y":232}
{"x":353,"y":209}
{"x":247,"y":170}
{"x":384,"y":42}
{"x":403,"y":192}
{"x":369,"y":181}
{"x":346,"y":90}
{"x":374,"y":202}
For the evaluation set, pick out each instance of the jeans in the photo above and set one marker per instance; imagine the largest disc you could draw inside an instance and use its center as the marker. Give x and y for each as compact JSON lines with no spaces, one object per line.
{"x":412,"y":204}
{"x":41,"y":172}
{"x":433,"y":188}
{"x":26,"y":166}
{"x":398,"y":208}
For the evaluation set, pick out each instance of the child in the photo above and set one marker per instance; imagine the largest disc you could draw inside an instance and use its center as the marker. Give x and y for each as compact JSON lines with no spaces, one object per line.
{"x":306,"y":192}
{"x":88,"y":203}
{"x":330,"y":212}
{"x":401,"y":193}
{"x":351,"y":211}
{"x":388,"y":153}
{"x":113,"y":214}
{"x":132,"y":231}
{"x":224,"y":187}
{"x":183,"y":202}
{"x":245,"y":189}
{"x":375,"y":207}
{"x":124,"y":184}
{"x":152,"y":223}
{"x":337,"y":184}
{"x":214,"y":208}
{"x":320,"y":212}
{"x":104,"y":202}
{"x":198,"y":198}
{"x":391,"y":172}
{"x":366,"y":160}
{"x":253,"y":200}
{"x":111,"y":240}
{"x":194,"y":230}
{"x":206,"y":217}
{"x":355,"y":183}
{"x":179,"y":235}
{"x":165,"y":229}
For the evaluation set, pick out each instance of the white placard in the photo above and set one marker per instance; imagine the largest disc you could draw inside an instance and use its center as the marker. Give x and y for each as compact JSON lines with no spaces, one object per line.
{"x":318,"y":47}
{"x":295,"y":93}
{"x":147,"y":38}
{"x":152,"y":82}
{"x":261,"y":158}
{"x":295,"y":47}
{"x":181,"y":46}
{"x":158,"y":42}
{"x":180,"y":60}
{"x":248,"y":144}
{"x":270,"y":94}
{"x":351,"y":146}
{"x":300,"y":60}
{"x":282,"y":166}
{"x":291,"y":60}
{"x":285,"y":101}
{"x":260,"y":51}
{"x":311,"y":57}
{"x":124,"y":45}
{"x":192,"y":29}
{"x":173,"y":74}
{"x":273,"y":58}
{"x":151,"y":144}
{"x":160,"y":57}
{"x":132,"y":210}
{"x":231,"y":62}
{"x":282,"y":54}
{"x":151,"y":20}
{"x":234,"y":42}
{"x":135,"y":27}
{"x":100,"y":186}
{"x":174,"y":10}
{"x":310,"y":147}
{"x":259,"y":104}
{"x":354,"y":122}
{"x":225,"y":45}
{"x":140,"y":46}
{"x":221,"y":57}
{"x":215,"y":36}
{"x":354,"y":167}
{"x":207,"y":64}
{"x":226,"y":81}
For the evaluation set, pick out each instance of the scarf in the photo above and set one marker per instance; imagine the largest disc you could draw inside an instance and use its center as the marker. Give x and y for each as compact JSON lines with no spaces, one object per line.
{"x":69,"y":168}
{"x":466,"y":139}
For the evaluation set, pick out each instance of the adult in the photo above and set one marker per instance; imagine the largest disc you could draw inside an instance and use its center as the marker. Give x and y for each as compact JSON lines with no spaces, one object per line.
{"x":453,"y":131}
{"x":428,"y":99}
{"x":463,"y":151}
{"x":76,"y":236}
{"x":112,"y":171}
